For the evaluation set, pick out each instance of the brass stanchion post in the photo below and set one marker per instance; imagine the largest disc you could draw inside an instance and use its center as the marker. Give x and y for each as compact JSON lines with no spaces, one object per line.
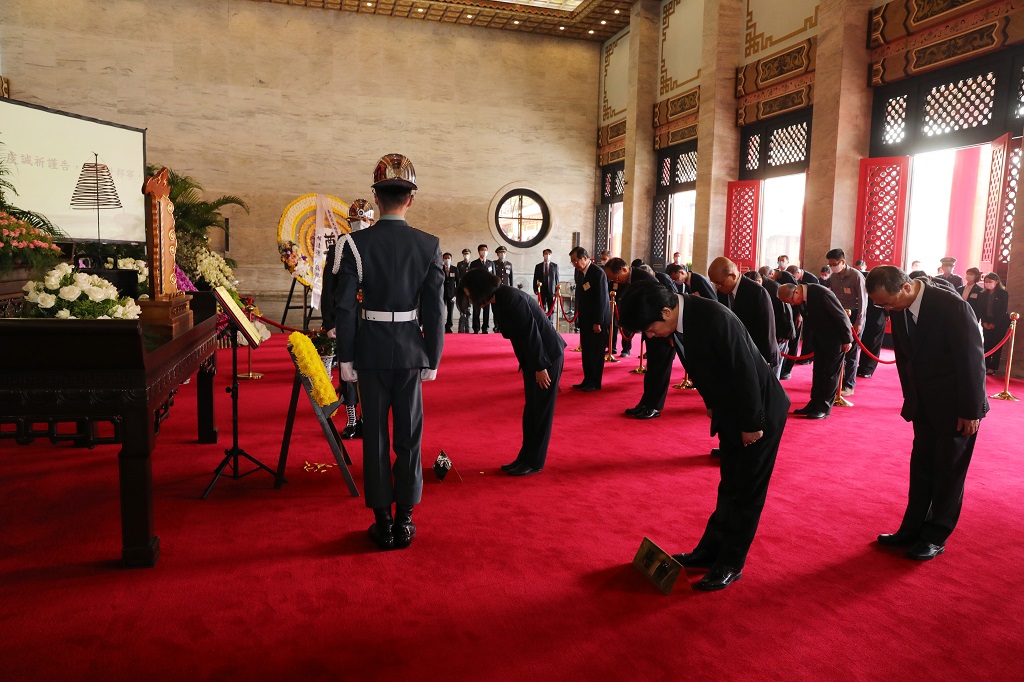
{"x":641,"y":369}
{"x":251,"y":374}
{"x":840,"y":401}
{"x":1005,"y":394}
{"x":685,"y":384}
{"x":611,"y":328}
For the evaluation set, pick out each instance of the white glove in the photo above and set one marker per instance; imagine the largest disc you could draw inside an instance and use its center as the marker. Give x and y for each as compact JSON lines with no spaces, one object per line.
{"x":427,"y":374}
{"x":348,"y":372}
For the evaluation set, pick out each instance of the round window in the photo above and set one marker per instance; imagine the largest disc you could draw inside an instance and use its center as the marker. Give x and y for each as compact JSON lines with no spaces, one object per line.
{"x":522,"y":218}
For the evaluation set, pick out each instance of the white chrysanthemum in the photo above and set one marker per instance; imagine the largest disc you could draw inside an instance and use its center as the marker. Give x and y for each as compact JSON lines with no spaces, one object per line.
{"x":117,"y":312}
{"x":29,"y":286}
{"x":82,"y":280}
{"x":103,"y":317}
{"x":132,"y":311}
{"x":63,"y":314}
{"x":32,"y":296}
{"x":46,"y":301}
{"x":95,"y":294}
{"x":70,"y":292}
{"x":52,"y":280}
{"x":63,"y":269}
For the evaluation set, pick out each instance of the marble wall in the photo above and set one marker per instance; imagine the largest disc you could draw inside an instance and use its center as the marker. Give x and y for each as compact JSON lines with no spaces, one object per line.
{"x":270,"y":102}
{"x":682,"y":24}
{"x":770,"y":26}
{"x":615,"y":78}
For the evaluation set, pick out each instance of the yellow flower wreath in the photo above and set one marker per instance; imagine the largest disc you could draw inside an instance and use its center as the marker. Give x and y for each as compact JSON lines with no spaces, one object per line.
{"x":311,"y":367}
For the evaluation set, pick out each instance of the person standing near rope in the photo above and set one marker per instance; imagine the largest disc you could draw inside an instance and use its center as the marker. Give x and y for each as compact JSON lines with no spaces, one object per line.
{"x":390,"y":335}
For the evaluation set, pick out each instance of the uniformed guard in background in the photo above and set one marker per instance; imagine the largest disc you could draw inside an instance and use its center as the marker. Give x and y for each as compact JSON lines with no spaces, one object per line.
{"x":392,"y":285}
{"x":460,"y":272}
{"x":451,"y":282}
{"x":503,"y":270}
{"x":487,"y":265}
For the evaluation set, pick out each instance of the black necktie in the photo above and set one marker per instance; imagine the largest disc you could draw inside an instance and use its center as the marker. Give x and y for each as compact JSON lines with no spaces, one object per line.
{"x":911,"y":326}
{"x":677,"y":338}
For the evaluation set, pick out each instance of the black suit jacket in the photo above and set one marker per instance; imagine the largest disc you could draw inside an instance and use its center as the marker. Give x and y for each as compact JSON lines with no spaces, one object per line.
{"x":402,"y":271}
{"x":942,"y":366}
{"x":808,"y":278}
{"x":451,"y":281}
{"x":728,"y":370}
{"x":784,"y":326}
{"x":487,"y":265}
{"x":535,"y":342}
{"x":547,"y":285}
{"x":956,"y":281}
{"x":753,"y":306}
{"x":825,"y":322}
{"x":701,"y":285}
{"x":592,"y":297}
{"x":1000,"y":304}
{"x":973,"y":296}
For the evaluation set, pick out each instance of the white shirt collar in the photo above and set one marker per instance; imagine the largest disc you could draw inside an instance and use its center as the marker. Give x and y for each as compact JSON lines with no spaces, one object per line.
{"x":915,"y":307}
{"x":679,"y":322}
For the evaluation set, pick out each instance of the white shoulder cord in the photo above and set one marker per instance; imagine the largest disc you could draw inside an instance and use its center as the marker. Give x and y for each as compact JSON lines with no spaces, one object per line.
{"x":347,"y":238}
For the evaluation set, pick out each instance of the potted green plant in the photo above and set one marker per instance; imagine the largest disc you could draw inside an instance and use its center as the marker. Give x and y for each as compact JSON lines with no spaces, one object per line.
{"x":325,"y":347}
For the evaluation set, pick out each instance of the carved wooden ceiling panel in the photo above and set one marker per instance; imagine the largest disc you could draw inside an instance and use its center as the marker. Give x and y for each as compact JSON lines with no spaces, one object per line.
{"x":596,"y":20}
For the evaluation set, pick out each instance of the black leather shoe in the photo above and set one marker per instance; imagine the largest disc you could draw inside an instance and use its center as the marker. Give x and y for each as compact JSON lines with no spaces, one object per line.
{"x":802,"y":410}
{"x":815,"y":415}
{"x":510,"y":465}
{"x":716,"y":453}
{"x":648,"y":413}
{"x":864,"y":375}
{"x":783,"y":377}
{"x":925,"y":551}
{"x":523,"y":470}
{"x":354,"y":431}
{"x":695,"y":559}
{"x":896,"y":539}
{"x":382,"y":530}
{"x":624,"y":354}
{"x":404,"y":530}
{"x":579,"y":385}
{"x":634,"y":410}
{"x":587,"y":388}
{"x":718,"y":578}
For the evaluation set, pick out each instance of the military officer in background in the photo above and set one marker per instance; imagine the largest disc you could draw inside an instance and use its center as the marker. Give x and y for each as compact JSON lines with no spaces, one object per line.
{"x":487,"y":265}
{"x":503,"y":270}
{"x":948,"y":263}
{"x":460,"y":272}
{"x":451,"y":283}
{"x":390,"y":336}
{"x":545,"y":283}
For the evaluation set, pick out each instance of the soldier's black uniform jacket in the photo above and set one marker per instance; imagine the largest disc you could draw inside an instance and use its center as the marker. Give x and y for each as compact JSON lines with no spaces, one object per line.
{"x":504,"y":272}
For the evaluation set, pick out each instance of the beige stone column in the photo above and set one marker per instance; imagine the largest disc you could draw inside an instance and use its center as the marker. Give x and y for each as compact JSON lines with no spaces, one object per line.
{"x":638,"y":200}
{"x":840,"y":129}
{"x":718,"y":137}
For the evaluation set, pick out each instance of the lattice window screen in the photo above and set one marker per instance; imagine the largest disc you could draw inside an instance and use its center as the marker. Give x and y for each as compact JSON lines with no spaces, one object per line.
{"x":788,"y":145}
{"x":1002,"y":259}
{"x":994,"y":205}
{"x":659,"y":231}
{"x":967,"y":103}
{"x":882,"y":217}
{"x":1018,"y":109}
{"x":606,"y":185}
{"x":743,"y":218}
{"x":753,"y":160}
{"x":620,"y":182}
{"x":895,"y":124}
{"x":601,"y":229}
{"x":665,"y":173}
{"x":686,"y":167}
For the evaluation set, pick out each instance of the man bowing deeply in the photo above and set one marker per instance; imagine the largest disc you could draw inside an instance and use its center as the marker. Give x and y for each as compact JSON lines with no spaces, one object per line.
{"x":391,"y":286}
{"x":747,"y":407}
{"x":940,"y":357}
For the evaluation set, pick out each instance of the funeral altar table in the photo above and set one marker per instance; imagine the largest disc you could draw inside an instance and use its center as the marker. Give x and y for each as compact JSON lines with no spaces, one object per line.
{"x":112,"y":373}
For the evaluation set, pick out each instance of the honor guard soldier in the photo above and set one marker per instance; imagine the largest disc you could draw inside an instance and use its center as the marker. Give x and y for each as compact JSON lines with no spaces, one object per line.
{"x":390,"y":335}
{"x":460,"y":272}
{"x":451,"y":282}
{"x":503,"y":269}
{"x":948,"y":263}
{"x":487,"y":265}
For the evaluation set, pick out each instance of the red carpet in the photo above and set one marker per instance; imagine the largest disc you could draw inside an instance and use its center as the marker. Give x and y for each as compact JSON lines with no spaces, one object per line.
{"x":510,"y":579}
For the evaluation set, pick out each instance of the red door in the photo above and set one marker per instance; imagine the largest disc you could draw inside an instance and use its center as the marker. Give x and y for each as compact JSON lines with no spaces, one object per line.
{"x":882,"y":210}
{"x":1001,"y":206}
{"x":742,"y":221}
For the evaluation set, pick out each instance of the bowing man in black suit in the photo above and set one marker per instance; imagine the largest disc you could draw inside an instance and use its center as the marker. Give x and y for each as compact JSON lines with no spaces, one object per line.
{"x":390,"y":332}
{"x":940,"y":358}
{"x":747,"y":407}
{"x":829,"y":335}
{"x":545,"y":283}
{"x":540,"y":351}
{"x":688,"y":282}
{"x":594,"y":317}
{"x":752,"y":305}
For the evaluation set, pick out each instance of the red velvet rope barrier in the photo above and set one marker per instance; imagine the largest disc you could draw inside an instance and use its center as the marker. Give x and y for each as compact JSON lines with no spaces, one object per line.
{"x":540,"y":302}
{"x":279,"y":326}
{"x":796,"y":357}
{"x":1009,"y":333}
{"x":576,"y":313}
{"x":869,"y":353}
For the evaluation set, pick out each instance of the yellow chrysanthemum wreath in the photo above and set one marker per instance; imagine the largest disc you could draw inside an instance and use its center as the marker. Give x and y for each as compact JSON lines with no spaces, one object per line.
{"x":312,"y":367}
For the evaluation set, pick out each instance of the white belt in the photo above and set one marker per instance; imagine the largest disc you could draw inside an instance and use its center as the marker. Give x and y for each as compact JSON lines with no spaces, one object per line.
{"x":381,"y":316}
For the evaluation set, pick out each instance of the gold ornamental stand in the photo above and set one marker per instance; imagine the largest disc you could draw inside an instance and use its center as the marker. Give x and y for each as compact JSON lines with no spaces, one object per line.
{"x":641,"y":369}
{"x":250,"y":374}
{"x":840,"y":401}
{"x":1005,"y":393}
{"x":685,"y":384}
{"x":611,"y":329}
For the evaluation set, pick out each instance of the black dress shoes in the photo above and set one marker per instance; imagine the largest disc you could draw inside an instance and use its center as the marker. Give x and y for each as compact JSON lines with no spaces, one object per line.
{"x":864,"y":375}
{"x":783,"y":377}
{"x":510,"y":465}
{"x":925,"y":551}
{"x":695,"y":559}
{"x":815,"y":415}
{"x":587,"y":388}
{"x":897,"y":539}
{"x":353,"y":431}
{"x":404,"y":530}
{"x":523,"y":470}
{"x":718,"y":578}
{"x":631,"y":411}
{"x":382,"y":530}
{"x":802,"y":410}
{"x":647,"y":413}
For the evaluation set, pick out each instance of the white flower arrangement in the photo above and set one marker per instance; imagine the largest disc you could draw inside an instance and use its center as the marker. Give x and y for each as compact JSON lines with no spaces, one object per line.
{"x":214,"y":270}
{"x":263,"y":329}
{"x":140,"y":266}
{"x":68,"y":295}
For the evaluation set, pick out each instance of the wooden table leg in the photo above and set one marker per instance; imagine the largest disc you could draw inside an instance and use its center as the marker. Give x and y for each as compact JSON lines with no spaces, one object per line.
{"x":140,"y":548}
{"x":204,"y":400}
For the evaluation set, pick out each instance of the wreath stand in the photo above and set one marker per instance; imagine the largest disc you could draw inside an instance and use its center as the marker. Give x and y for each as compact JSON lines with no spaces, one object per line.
{"x":323,"y":415}
{"x":307,"y":312}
